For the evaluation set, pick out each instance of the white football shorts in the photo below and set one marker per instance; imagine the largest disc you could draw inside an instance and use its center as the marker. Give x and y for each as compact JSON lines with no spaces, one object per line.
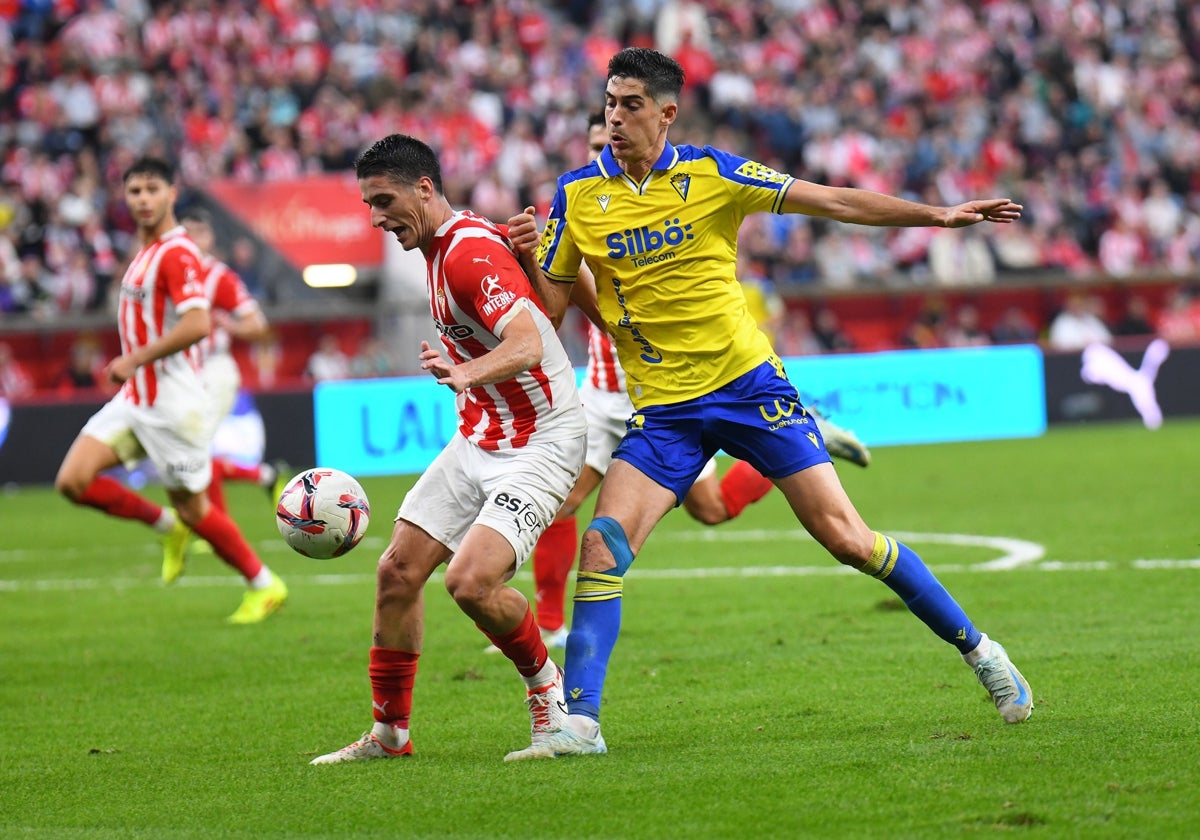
{"x":175,"y":434}
{"x":606,"y":413}
{"x":221,"y":378}
{"x":515,"y":492}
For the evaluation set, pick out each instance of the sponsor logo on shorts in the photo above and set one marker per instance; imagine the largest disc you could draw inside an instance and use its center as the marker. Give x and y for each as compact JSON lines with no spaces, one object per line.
{"x":185,"y":467}
{"x":779,"y":414}
{"x":524,"y":515}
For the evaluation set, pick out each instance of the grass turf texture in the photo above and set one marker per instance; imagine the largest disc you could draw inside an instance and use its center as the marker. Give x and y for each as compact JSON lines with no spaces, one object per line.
{"x":784,"y":701}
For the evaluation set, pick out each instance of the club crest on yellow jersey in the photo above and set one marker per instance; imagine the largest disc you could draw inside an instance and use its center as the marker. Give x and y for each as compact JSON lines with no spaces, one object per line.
{"x":682,"y":182}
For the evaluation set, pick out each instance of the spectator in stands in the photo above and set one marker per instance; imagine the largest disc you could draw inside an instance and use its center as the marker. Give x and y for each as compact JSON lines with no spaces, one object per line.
{"x":1061,"y":250}
{"x":965,"y":330}
{"x":15,"y":380}
{"x":243,"y":260}
{"x":961,"y":257}
{"x":858,"y":97}
{"x":795,"y":336}
{"x":84,"y":367}
{"x":16,"y":294}
{"x":1179,"y":322}
{"x":1014,"y":327}
{"x":1079,"y":324}
{"x":827,"y":330}
{"x":328,"y":361}
{"x":1136,"y":320}
{"x":32,"y":287}
{"x":1122,"y":250}
{"x":926,"y":329}
{"x":372,"y":360}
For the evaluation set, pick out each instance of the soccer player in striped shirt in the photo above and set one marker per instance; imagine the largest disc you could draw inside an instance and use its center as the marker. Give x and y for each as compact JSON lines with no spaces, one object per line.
{"x":162,"y":411}
{"x":235,"y":315}
{"x":657,"y":224}
{"x":487,"y":497}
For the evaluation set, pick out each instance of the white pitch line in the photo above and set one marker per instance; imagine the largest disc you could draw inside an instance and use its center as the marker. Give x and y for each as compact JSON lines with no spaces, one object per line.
{"x":712,"y":573}
{"x":1014,"y":552}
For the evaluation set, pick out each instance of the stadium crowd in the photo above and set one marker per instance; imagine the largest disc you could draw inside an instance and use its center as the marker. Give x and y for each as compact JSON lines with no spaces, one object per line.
{"x":1085,"y":111}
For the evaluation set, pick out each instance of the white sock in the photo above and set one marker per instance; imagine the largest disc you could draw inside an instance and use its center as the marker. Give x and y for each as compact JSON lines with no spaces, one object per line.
{"x":391,"y":735}
{"x":262,"y":580}
{"x":543,"y":677}
{"x":165,"y":521}
{"x":982,"y":651}
{"x":583,"y":725}
{"x":267,"y":475}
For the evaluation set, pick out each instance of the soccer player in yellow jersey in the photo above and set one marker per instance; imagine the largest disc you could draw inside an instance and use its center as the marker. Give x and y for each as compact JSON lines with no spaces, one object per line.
{"x":657,"y":225}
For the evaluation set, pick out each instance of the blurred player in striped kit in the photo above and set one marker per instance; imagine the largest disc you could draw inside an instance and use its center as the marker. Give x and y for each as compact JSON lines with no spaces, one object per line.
{"x":163,"y":411}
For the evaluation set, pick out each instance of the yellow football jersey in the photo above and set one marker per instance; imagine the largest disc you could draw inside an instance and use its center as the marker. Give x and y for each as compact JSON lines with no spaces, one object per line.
{"x":664,"y":255}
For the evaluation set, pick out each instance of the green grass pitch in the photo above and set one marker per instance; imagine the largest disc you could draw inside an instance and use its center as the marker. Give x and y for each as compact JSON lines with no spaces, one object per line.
{"x":757,"y":690}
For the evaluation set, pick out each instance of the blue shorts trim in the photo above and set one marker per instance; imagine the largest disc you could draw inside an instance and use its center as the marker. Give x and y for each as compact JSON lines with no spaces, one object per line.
{"x":757,"y":418}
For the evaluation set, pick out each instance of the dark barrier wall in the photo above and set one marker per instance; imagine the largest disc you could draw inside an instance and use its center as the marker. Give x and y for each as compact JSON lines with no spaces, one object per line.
{"x":39,"y":434}
{"x":1162,"y":379}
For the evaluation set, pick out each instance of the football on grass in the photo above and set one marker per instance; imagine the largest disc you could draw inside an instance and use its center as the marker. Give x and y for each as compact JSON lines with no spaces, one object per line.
{"x":323,"y":513}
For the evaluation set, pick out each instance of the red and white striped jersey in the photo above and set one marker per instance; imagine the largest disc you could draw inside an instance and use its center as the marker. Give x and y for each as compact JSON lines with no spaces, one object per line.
{"x":604,"y":372}
{"x":225,"y":291}
{"x":162,"y":281}
{"x":476,"y":287}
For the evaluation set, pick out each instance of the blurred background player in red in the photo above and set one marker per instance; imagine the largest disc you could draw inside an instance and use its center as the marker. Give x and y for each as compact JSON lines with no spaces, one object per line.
{"x":162,"y":411}
{"x":235,"y":315}
{"x":711,"y":500}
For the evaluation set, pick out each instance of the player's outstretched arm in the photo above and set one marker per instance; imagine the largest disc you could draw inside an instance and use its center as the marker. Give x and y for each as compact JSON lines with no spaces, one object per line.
{"x":863,"y":207}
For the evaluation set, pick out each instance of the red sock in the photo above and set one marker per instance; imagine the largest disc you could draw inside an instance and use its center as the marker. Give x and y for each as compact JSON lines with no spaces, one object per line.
{"x":553,"y":558}
{"x":524,"y":646}
{"x":236,"y":472}
{"x":741,"y":486}
{"x":227,"y":541}
{"x":115,"y":499}
{"x":215,"y":492}
{"x":393,"y":673}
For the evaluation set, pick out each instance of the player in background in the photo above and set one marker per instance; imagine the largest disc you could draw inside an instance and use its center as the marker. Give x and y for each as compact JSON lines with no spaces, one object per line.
{"x":607,"y":405}
{"x":235,"y":315}
{"x":658,"y":226}
{"x":162,"y":411}
{"x":487,"y":497}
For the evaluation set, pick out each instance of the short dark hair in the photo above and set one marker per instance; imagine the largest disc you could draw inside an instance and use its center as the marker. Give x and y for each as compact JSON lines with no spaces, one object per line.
{"x":402,"y":158}
{"x":152,"y":166}
{"x":661,"y":74}
{"x":195,"y":213}
{"x":595,"y":118}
